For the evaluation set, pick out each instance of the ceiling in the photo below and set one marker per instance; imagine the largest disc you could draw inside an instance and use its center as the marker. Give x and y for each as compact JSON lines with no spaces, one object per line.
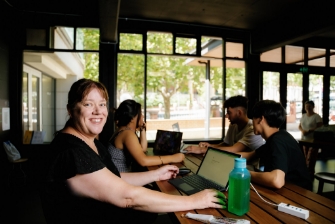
{"x":272,"y":23}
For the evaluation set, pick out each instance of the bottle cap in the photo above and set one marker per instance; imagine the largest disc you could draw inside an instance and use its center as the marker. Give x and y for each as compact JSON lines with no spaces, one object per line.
{"x":240,"y":163}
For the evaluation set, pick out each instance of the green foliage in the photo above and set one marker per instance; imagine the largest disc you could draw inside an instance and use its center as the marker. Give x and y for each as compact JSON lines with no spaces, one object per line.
{"x":90,"y":41}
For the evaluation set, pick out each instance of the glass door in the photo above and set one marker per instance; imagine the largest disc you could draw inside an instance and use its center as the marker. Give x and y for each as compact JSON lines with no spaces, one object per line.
{"x":294,"y":105}
{"x":31,"y":99}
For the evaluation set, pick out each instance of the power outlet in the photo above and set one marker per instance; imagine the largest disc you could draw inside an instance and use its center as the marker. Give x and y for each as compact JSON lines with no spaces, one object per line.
{"x":298,"y":212}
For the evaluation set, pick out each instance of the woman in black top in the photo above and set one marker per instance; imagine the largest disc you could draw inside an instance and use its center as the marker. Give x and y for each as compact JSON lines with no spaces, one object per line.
{"x":84,"y":186}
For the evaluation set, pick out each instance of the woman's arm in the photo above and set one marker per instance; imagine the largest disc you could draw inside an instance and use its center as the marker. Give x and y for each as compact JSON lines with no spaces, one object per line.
{"x":133,"y":146}
{"x":142,"y":178}
{"x":143,"y":138}
{"x":104,"y":186}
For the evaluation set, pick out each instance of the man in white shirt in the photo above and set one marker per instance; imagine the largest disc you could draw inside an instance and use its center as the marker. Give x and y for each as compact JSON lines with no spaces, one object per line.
{"x":240,"y":136}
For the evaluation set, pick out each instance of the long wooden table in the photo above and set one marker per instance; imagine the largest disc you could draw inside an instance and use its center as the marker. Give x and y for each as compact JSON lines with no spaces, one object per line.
{"x":321,"y":209}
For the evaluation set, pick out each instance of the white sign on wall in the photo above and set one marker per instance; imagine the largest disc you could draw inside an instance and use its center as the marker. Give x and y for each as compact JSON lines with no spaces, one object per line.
{"x":5,"y":119}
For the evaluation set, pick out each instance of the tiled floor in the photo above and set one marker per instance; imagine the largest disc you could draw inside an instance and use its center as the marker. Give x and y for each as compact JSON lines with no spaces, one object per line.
{"x":22,"y":204}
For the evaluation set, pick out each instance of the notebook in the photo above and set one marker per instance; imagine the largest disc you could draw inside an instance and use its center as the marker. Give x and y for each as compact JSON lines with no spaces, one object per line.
{"x":215,"y":168}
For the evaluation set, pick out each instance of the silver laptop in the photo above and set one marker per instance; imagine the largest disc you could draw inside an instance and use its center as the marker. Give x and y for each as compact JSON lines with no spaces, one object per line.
{"x":175,"y":127}
{"x":213,"y":172}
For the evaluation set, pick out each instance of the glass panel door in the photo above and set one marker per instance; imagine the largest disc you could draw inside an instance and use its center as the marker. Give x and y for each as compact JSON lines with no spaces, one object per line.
{"x":31,"y":98}
{"x":315,"y":92}
{"x":294,"y":105}
{"x":271,"y":86}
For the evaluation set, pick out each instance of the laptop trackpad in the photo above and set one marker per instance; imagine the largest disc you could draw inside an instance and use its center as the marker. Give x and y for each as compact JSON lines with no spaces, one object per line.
{"x":185,"y":187}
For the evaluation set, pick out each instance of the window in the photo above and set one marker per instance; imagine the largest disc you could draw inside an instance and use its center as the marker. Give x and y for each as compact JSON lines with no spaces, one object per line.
{"x":186,"y":45}
{"x":131,"y":41}
{"x":294,"y":55}
{"x":234,"y":50}
{"x":171,"y":88}
{"x":159,"y":43}
{"x":294,"y":105}
{"x":87,"y":39}
{"x":271,"y":86}
{"x":316,"y":92}
{"x":48,"y":75}
{"x":272,"y":56}
{"x":317,"y":57}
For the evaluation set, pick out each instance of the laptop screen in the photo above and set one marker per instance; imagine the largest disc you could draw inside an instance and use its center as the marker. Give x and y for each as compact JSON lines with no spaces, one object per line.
{"x":216,"y":165}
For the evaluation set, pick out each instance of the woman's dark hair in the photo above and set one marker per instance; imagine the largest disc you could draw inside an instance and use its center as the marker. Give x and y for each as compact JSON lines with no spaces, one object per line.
{"x":273,"y":112}
{"x":126,"y":111}
{"x":310,"y":102}
{"x":79,"y":90}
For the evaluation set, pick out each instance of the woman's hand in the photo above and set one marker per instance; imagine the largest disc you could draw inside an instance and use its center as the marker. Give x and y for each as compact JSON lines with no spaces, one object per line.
{"x":209,"y":198}
{"x":178,"y":157}
{"x":166,"y":172}
{"x":143,"y":127}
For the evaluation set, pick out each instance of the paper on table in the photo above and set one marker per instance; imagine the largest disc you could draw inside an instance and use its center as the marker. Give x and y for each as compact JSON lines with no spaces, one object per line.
{"x":215,"y":220}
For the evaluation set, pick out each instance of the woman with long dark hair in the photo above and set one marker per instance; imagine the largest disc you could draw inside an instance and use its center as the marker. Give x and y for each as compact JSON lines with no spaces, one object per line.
{"x":127,"y":149}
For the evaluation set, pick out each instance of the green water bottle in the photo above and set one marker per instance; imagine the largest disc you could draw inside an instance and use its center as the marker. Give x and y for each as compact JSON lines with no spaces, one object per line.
{"x":239,"y":188}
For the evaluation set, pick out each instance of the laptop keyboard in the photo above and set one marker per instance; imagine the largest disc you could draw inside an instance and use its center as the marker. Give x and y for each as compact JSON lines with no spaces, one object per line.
{"x":201,"y":183}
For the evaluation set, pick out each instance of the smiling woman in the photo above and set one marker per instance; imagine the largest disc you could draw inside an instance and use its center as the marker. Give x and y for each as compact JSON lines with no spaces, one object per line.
{"x":84,"y":186}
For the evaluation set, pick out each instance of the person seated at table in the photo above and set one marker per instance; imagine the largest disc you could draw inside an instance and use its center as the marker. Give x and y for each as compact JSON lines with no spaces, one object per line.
{"x":84,"y":186}
{"x":308,"y":123}
{"x":281,"y":155}
{"x":240,"y":135}
{"x":126,"y":149}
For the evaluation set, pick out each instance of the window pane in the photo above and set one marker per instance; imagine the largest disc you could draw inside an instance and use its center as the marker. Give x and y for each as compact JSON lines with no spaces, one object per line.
{"x":294,"y":104}
{"x":272,"y":56}
{"x":235,"y":81}
{"x":177,"y":91}
{"x":332,"y":58}
{"x":211,"y":47}
{"x":87,"y":39}
{"x":316,"y":57}
{"x":271,"y":86}
{"x":186,"y":45}
{"x":131,"y":41}
{"x":159,"y":43}
{"x":234,"y":50}
{"x":216,"y":100}
{"x":36,"y":103}
{"x":130,"y":78}
{"x":91,"y":65}
{"x":48,"y":107}
{"x":61,"y":68}
{"x":316,"y":92}
{"x":25,"y":105}
{"x":294,"y":55}
{"x":63,"y":37}
{"x":332,"y":101}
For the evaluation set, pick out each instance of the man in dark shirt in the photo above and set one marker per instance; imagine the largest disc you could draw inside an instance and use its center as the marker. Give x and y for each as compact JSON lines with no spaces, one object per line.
{"x":281,"y":155}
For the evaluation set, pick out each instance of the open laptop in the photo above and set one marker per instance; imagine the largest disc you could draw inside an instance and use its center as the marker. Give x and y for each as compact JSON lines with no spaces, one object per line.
{"x":175,"y":127}
{"x":167,"y":142}
{"x":215,"y":168}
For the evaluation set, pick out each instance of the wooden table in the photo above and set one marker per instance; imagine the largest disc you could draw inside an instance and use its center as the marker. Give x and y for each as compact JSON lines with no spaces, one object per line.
{"x":321,"y":209}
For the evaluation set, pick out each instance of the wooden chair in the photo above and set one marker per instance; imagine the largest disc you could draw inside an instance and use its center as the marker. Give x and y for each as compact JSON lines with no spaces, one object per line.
{"x":324,"y":177}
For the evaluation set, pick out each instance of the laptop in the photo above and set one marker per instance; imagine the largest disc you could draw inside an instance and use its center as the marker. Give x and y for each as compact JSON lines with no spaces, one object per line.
{"x":167,"y":142}
{"x":175,"y":127}
{"x":214,"y":169}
